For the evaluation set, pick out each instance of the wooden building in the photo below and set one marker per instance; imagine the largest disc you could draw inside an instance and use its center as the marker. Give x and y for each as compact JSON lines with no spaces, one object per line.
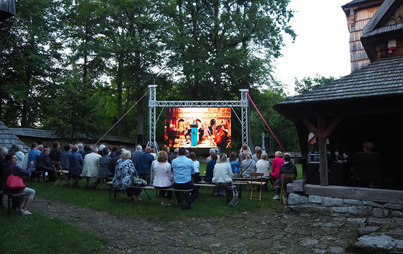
{"x":366,"y":105}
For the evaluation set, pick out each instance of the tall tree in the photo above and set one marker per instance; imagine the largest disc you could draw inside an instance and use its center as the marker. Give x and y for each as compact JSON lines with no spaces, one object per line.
{"x":309,"y":83}
{"x":28,"y":63}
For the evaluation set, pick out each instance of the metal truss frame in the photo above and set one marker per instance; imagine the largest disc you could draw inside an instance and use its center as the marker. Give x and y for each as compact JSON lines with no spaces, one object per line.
{"x":153,"y":104}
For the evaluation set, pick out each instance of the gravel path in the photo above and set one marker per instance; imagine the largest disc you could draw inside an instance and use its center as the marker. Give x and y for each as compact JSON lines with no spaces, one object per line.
{"x":262,"y":232}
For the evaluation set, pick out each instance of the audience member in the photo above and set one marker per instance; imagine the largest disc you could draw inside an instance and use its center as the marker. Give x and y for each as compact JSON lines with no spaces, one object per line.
{"x":20,"y":155}
{"x":263,"y":165}
{"x":125,"y":172}
{"x":234,"y":162}
{"x":222,"y":175}
{"x":247,"y":166}
{"x":41,"y":147}
{"x":10,"y":165}
{"x":162,"y":177}
{"x":210,"y":169}
{"x":81,"y":149}
{"x":87,"y":150}
{"x":196,"y":163}
{"x":44,"y":163}
{"x":65,"y":157}
{"x":211,"y":151}
{"x":275,"y":169}
{"x":174,"y":154}
{"x":55,"y":153}
{"x":33,"y":154}
{"x":91,"y":165}
{"x":287,"y":168}
{"x":113,"y":152}
{"x":242,"y":153}
{"x":183,"y":169}
{"x":144,"y":164}
{"x":75,"y":165}
{"x":136,"y":156}
{"x":116,"y":157}
{"x":106,"y":168}
{"x":152,"y":152}
{"x":3,"y":152}
{"x":258,"y":153}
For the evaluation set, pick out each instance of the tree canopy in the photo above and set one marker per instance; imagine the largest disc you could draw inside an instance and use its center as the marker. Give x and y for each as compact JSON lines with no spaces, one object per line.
{"x":77,"y":66}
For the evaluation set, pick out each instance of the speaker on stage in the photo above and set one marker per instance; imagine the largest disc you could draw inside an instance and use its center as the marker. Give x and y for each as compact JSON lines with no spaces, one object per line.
{"x":7,"y":9}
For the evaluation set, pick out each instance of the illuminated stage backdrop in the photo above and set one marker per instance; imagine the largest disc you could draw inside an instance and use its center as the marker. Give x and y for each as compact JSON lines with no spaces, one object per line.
{"x":198,"y":127}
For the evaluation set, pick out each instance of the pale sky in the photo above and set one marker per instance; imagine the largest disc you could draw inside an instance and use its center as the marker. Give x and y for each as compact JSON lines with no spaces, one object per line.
{"x":321,"y":46}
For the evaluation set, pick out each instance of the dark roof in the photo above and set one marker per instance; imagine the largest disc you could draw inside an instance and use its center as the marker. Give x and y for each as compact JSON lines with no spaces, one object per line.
{"x":7,"y":138}
{"x":35,"y":133}
{"x":380,"y":78}
{"x":358,"y":3}
{"x":381,"y":16}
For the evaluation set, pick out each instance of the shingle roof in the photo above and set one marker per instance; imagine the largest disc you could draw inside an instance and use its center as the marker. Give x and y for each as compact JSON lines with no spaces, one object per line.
{"x":36,"y":133}
{"x":380,"y":78}
{"x":7,"y":138}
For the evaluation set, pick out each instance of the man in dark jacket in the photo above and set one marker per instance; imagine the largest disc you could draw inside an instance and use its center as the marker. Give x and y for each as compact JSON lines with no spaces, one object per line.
{"x":44,"y":163}
{"x":145,"y":161}
{"x":287,"y":168}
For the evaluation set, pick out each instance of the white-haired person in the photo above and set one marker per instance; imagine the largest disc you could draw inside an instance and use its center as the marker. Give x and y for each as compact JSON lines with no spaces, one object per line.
{"x":136,"y":155}
{"x":125,"y":172}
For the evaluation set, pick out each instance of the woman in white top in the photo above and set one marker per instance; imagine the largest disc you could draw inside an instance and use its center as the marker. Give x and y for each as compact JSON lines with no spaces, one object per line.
{"x":222,"y":175}
{"x":263,"y":165}
{"x":162,"y":177}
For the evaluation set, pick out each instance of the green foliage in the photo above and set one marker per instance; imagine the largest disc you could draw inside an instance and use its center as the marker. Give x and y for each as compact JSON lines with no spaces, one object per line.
{"x":38,"y":234}
{"x":282,"y":128}
{"x":309,"y":83}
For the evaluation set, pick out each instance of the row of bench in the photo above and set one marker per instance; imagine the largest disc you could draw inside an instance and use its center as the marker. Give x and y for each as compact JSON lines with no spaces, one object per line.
{"x":200,"y":184}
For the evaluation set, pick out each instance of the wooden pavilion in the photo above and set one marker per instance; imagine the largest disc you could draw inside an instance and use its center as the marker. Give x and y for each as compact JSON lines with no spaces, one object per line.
{"x":366,"y":105}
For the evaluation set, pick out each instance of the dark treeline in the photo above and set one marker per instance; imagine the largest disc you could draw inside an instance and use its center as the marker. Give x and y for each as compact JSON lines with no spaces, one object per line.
{"x":77,"y":66}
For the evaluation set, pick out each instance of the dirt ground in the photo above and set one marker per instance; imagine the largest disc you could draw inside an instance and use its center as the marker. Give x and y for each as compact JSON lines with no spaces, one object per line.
{"x":271,"y":231}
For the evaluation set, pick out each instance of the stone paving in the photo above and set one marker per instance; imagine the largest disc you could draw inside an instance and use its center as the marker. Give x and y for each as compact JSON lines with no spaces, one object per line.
{"x":271,"y":231}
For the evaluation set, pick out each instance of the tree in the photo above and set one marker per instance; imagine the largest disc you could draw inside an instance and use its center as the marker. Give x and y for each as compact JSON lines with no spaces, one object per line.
{"x":309,"y":83}
{"x":28,"y":62}
{"x":221,"y":46}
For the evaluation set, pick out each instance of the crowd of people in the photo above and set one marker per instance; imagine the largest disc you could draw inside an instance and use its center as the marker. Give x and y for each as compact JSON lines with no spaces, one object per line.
{"x":179,"y":169}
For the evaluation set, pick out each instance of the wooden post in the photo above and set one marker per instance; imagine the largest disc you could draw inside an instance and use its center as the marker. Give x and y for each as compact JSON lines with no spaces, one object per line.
{"x":324,"y":179}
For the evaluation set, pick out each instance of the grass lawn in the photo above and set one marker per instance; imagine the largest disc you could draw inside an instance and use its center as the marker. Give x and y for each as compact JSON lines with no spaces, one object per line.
{"x":39,"y":234}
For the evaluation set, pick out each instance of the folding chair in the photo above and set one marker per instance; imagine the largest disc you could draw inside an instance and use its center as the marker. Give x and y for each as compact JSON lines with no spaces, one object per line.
{"x":285,"y":179}
{"x":60,"y":173}
{"x":256,"y":180}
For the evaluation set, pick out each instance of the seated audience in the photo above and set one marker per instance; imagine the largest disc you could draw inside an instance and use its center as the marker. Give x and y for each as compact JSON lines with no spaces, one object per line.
{"x":105,"y":167}
{"x":75,"y":165}
{"x":65,"y":157}
{"x":196,"y":163}
{"x":222,"y":175}
{"x":91,"y":165}
{"x":263,"y":165}
{"x":247,"y":166}
{"x":183,"y":169}
{"x":44,"y":163}
{"x":234,"y":162}
{"x":287,"y":168}
{"x":124,"y":176}
{"x":10,"y":164}
{"x":163,"y":177}
{"x":210,"y":168}
{"x":275,"y":169}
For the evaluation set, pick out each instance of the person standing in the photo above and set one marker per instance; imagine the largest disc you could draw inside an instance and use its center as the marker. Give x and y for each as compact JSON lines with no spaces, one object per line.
{"x":183,"y":169}
{"x":91,"y":165}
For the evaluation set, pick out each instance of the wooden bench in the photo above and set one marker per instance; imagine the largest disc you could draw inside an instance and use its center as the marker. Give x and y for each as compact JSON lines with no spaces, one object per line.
{"x":148,"y":187}
{"x":228,"y":188}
